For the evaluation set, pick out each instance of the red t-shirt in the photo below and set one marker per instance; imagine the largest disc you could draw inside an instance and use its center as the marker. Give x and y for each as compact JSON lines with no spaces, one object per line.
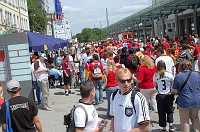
{"x":166,"y":44}
{"x":196,"y":51}
{"x":118,"y":67}
{"x":65,"y":66}
{"x":111,"y":80}
{"x":91,"y":68}
{"x":146,"y":76}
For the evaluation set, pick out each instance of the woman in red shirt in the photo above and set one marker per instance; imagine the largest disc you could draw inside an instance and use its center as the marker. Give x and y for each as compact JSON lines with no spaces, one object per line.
{"x":111,"y":84}
{"x":145,"y":79}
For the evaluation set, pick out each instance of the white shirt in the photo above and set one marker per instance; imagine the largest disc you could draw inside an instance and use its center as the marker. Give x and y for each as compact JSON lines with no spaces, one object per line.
{"x":42,"y":75}
{"x":122,"y":109}
{"x":80,"y":117}
{"x":83,"y":57}
{"x":71,"y":60}
{"x":168,"y":62}
{"x":165,"y":83}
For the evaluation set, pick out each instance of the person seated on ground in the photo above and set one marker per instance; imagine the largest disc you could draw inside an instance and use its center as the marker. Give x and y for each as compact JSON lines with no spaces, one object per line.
{"x":56,"y":73}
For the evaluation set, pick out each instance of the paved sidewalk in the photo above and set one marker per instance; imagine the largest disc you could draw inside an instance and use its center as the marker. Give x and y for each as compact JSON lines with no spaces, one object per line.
{"x":52,"y":121}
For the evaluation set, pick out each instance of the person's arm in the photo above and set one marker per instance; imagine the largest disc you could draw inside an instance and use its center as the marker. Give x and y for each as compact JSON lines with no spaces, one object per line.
{"x":37,"y":123}
{"x":112,"y":125}
{"x":80,"y":129}
{"x":37,"y":70}
{"x":142,"y":127}
{"x":3,"y":127}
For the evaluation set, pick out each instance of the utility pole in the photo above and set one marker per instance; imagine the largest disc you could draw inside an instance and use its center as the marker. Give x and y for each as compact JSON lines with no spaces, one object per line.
{"x":107,"y":17}
{"x":100,"y":25}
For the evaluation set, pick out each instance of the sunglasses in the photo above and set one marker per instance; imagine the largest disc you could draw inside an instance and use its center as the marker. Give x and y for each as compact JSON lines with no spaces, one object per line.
{"x":124,"y":81}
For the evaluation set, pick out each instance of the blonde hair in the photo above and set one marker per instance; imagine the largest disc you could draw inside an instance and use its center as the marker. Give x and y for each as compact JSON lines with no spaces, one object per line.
{"x":110,"y":66}
{"x":123,"y":71}
{"x":147,"y":61}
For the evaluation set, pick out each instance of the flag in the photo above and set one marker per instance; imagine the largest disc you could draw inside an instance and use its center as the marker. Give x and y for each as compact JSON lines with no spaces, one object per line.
{"x":58,"y":9}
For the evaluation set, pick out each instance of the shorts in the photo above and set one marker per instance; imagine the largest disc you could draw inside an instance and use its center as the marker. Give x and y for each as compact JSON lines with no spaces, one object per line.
{"x":67,"y":80}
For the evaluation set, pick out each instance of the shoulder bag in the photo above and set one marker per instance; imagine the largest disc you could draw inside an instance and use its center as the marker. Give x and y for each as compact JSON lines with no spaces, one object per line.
{"x":8,"y":119}
{"x":183,"y":86}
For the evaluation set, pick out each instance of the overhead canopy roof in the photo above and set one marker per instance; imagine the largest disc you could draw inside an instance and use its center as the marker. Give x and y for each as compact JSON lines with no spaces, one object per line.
{"x":156,"y":11}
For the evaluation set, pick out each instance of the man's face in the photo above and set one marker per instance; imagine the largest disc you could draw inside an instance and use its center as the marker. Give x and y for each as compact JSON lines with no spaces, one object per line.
{"x":191,"y":42}
{"x":124,"y":82}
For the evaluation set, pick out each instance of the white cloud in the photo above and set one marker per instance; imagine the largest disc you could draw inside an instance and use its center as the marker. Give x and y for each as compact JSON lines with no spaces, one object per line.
{"x":70,"y":9}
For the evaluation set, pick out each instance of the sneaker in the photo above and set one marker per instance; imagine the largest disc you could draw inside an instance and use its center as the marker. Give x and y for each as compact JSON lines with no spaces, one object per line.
{"x":47,"y":109}
{"x":172,"y":129}
{"x":66,"y":92}
{"x":50,"y":106}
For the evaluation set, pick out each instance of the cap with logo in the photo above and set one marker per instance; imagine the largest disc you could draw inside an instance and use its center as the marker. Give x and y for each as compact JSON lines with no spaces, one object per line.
{"x":13,"y":86}
{"x":43,"y":55}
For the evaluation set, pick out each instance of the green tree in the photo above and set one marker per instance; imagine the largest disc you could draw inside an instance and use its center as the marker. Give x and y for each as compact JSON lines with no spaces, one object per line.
{"x":37,"y":17}
{"x":89,"y":35}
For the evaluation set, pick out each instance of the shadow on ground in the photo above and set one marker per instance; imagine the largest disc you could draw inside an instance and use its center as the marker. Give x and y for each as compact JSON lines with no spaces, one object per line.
{"x":59,"y":93}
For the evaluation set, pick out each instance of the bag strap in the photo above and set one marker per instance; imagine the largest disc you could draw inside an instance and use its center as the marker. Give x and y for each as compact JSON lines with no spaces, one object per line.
{"x":8,"y":119}
{"x":134,"y":92}
{"x":185,"y":81}
{"x":86,"y":114}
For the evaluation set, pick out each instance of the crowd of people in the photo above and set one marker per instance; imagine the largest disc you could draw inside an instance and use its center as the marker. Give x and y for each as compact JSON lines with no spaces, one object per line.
{"x":138,"y":76}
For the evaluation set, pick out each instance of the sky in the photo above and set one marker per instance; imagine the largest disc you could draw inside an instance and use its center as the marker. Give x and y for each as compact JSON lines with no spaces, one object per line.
{"x":90,"y":13}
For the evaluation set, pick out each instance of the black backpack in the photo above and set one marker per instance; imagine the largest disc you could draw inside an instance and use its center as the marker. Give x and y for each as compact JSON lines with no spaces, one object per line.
{"x":134,"y":92}
{"x":69,"y":118}
{"x":134,"y":62}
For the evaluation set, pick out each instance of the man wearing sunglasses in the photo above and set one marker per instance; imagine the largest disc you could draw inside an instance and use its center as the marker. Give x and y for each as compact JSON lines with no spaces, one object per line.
{"x":127,"y":116}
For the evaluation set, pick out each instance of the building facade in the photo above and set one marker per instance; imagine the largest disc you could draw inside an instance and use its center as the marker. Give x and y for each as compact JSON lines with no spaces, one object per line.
{"x":13,"y":16}
{"x":62,"y":29}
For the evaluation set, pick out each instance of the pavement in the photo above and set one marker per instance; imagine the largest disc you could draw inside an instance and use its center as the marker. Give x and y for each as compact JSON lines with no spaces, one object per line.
{"x":52,"y":121}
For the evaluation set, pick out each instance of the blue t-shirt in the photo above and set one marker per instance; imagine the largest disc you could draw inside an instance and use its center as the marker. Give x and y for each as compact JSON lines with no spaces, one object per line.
{"x":189,"y":97}
{"x":55,"y":72}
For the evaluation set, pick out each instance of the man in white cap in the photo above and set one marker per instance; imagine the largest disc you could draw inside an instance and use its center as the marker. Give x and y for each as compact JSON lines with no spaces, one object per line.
{"x":24,"y":113}
{"x":41,"y":73}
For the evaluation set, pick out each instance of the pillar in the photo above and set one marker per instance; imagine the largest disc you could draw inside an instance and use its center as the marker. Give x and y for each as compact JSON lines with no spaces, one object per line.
{"x":153,"y":29}
{"x":177,"y":23}
{"x":195,"y":20}
{"x":163,"y":27}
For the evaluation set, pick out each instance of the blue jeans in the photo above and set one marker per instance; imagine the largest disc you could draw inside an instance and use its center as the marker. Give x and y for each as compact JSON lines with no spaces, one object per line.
{"x":98,"y":91}
{"x":81,"y":72}
{"x":109,"y":91}
{"x":38,"y":93}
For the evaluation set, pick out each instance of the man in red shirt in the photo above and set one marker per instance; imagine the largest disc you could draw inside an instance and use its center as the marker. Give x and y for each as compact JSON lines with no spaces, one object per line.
{"x":96,"y":72}
{"x":195,"y":54}
{"x":66,"y":73}
{"x":166,"y":44}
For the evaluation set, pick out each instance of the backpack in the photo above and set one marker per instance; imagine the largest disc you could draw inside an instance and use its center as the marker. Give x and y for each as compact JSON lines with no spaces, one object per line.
{"x":133,"y":64}
{"x":134,"y":92}
{"x":97,"y":71}
{"x":69,"y":118}
{"x":189,"y":56}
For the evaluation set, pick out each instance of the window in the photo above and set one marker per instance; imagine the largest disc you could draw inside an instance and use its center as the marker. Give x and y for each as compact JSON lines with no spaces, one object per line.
{"x":1,"y":16}
{"x":169,"y":25}
{"x":173,"y":25}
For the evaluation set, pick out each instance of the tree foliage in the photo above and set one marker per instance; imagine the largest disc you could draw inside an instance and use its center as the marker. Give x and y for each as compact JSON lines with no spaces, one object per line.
{"x":89,"y":35}
{"x":38,"y":18}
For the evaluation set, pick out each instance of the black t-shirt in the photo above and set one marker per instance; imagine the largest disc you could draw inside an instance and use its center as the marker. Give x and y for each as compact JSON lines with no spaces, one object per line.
{"x":22,"y":111}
